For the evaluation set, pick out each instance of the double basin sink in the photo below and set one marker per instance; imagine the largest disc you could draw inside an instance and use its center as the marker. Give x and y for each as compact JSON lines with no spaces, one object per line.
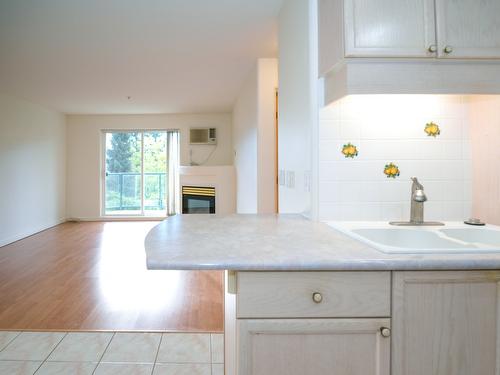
{"x":453,"y":237}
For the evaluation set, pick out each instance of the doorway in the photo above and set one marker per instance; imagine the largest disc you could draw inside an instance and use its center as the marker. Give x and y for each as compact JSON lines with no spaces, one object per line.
{"x":276,"y":160}
{"x":140,"y":170}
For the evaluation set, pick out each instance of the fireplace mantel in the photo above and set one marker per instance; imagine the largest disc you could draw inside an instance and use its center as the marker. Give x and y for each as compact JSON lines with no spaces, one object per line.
{"x":222,"y":178}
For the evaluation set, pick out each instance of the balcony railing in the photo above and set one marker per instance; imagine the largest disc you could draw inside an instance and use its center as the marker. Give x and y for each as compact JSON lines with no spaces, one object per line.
{"x":123,"y":191}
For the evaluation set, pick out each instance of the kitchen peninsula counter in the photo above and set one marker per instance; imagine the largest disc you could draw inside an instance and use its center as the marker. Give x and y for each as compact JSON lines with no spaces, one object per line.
{"x":282,"y":243}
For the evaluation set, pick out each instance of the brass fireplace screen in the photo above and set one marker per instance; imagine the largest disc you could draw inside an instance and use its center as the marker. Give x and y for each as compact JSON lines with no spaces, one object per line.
{"x":198,"y":200}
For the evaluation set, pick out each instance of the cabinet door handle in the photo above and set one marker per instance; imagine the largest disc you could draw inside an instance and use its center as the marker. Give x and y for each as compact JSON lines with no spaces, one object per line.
{"x":385,"y":332}
{"x":317,"y":297}
{"x":432,"y":48}
{"x":448,"y":49}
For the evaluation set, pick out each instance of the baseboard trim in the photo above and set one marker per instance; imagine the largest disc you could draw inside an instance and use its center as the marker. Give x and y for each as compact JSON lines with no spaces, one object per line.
{"x":30,"y":233}
{"x":111,"y":218}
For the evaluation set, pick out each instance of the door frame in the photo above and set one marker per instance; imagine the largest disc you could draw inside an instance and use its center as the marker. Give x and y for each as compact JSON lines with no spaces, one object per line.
{"x":102,"y":173}
{"x":276,"y":163}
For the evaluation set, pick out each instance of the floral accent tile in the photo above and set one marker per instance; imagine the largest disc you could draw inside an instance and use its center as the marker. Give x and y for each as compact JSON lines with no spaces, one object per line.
{"x":391,"y":170}
{"x":349,"y":150}
{"x":432,"y":129}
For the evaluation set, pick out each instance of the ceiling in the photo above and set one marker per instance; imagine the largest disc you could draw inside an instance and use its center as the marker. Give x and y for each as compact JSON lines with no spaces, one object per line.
{"x":133,"y":56}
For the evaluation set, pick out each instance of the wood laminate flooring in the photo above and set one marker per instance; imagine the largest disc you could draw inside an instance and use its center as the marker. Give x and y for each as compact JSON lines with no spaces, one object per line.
{"x":93,"y":276}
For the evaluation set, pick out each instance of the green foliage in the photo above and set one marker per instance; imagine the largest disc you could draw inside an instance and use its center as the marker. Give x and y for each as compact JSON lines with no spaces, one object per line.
{"x":155,"y":152}
{"x":124,"y":152}
{"x":125,"y":148}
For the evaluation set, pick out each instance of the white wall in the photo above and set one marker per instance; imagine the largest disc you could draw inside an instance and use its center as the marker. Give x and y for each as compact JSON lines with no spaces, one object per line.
{"x":390,"y":128}
{"x":297,"y":103}
{"x":84,"y":150}
{"x":245,"y":119}
{"x":485,"y":141}
{"x":254,"y":139}
{"x":32,"y":168}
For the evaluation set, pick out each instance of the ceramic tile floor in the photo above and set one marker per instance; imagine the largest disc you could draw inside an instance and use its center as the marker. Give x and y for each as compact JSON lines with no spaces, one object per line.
{"x":108,"y":353}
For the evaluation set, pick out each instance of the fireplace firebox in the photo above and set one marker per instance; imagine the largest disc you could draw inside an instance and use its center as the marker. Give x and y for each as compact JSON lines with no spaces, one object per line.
{"x":198,"y":200}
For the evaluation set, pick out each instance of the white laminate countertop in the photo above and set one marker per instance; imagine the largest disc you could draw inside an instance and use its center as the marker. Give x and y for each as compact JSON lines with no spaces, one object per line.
{"x":281,"y":243}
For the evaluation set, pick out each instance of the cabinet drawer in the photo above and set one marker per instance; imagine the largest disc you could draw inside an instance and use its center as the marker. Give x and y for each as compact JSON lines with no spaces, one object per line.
{"x":290,"y":294}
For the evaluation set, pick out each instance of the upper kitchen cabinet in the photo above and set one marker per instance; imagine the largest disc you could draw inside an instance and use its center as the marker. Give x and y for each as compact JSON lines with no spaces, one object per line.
{"x":425,"y":29}
{"x":468,"y":28}
{"x":392,"y":28}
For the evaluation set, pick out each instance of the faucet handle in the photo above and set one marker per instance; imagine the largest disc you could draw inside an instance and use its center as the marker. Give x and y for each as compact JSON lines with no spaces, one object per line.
{"x":417,"y":184}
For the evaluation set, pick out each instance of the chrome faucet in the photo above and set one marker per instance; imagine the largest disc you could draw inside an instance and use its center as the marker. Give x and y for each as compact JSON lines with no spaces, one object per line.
{"x":418,"y":198}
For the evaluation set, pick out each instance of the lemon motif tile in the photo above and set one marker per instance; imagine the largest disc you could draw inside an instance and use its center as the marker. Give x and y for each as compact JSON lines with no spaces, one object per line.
{"x":349,"y":150}
{"x":391,"y":170}
{"x":432,"y":129}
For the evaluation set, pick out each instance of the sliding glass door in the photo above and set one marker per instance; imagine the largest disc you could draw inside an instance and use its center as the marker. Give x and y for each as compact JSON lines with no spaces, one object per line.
{"x":136,"y":179}
{"x":155,"y":173}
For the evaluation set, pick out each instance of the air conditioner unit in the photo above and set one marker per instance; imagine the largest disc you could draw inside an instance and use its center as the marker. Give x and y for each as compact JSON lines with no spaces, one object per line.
{"x":203,"y":136}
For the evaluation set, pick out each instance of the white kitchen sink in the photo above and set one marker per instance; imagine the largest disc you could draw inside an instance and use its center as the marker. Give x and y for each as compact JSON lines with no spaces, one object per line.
{"x":482,"y":237}
{"x":454,"y":237}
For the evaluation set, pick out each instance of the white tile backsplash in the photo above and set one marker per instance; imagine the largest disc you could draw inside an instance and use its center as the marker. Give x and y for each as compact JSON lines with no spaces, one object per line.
{"x":390,"y":128}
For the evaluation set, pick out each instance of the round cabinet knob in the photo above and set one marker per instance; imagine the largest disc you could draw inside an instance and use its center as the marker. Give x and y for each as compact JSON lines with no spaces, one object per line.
{"x":317,"y":297}
{"x":448,"y":49}
{"x":432,"y":48}
{"x":385,"y":332}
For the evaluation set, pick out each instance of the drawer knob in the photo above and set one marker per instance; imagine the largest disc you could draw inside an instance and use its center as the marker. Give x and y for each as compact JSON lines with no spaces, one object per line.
{"x":448,"y":49}
{"x":317,"y":297}
{"x":385,"y":332}
{"x":432,"y":48}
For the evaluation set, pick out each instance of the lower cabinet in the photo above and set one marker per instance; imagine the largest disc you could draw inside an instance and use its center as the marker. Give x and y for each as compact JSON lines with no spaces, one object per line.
{"x":445,"y":323}
{"x":313,"y":346}
{"x":292,"y":323}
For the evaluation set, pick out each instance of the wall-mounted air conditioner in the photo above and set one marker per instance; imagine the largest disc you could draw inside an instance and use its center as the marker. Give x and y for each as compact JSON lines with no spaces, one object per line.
{"x":203,"y":136}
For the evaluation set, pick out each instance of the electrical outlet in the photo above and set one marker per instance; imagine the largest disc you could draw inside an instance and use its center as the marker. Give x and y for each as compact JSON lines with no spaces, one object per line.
{"x":290,"y":179}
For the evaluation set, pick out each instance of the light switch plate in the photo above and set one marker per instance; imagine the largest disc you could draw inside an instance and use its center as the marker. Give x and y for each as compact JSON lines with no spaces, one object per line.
{"x":290,"y":179}
{"x":281,"y":177}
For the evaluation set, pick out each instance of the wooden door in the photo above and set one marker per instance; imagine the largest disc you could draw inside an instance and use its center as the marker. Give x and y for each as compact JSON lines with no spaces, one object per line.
{"x":389,"y":28}
{"x":445,"y":323}
{"x":313,"y":346}
{"x":468,"y":28}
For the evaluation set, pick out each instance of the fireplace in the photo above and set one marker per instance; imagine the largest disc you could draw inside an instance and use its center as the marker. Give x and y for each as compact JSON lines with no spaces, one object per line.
{"x":198,"y":200}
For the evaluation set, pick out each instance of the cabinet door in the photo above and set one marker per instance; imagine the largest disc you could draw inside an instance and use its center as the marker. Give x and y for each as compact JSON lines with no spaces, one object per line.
{"x":313,"y":346}
{"x":468,"y":28}
{"x":389,"y":28}
{"x":445,"y":323}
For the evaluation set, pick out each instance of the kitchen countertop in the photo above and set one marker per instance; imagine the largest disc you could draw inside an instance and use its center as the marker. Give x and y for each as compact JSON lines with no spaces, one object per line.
{"x":281,"y":243}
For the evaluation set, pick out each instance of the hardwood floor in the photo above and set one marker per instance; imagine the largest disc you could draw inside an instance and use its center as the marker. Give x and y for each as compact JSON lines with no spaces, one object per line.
{"x":93,"y":276}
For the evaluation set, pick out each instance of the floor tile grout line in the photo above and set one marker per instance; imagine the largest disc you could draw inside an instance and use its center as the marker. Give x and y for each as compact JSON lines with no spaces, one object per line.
{"x":157,"y":353}
{"x":41,"y":364}
{"x":12,"y":339}
{"x":211,"y":355}
{"x":104,"y":351}
{"x":173,"y":363}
